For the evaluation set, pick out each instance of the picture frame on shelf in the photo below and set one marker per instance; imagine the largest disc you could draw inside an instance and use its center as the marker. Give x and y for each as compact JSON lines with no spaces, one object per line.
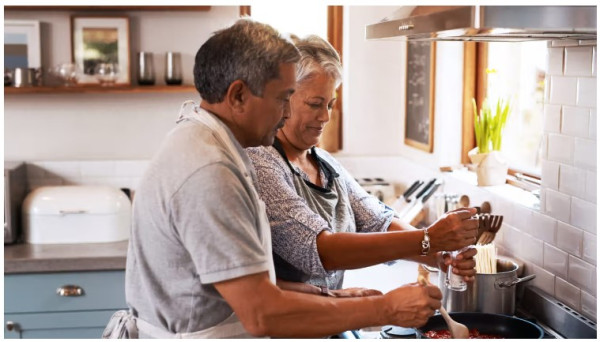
{"x":100,"y":49}
{"x":420,"y":95}
{"x":22,"y":48}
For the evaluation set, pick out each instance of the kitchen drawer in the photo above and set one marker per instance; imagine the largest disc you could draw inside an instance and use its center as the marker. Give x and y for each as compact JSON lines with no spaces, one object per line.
{"x":37,"y":292}
{"x":81,"y":324}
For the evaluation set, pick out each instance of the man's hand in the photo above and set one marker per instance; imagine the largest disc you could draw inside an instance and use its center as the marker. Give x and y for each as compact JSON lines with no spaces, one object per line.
{"x":454,"y":230}
{"x":355,"y":292}
{"x":463,"y":265}
{"x":412,"y":305}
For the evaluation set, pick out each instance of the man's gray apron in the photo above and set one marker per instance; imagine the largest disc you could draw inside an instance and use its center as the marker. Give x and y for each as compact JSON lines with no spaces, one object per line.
{"x":327,"y":203}
{"x":123,"y":324}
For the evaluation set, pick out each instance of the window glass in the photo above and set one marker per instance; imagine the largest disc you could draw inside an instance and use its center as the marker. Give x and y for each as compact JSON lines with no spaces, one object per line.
{"x":516,"y":71}
{"x":298,"y":18}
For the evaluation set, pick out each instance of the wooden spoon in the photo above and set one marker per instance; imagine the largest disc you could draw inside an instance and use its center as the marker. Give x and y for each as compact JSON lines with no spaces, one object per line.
{"x":457,"y":330}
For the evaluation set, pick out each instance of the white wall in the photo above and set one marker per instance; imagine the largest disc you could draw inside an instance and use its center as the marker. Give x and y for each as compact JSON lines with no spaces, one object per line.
{"x":375,"y":92}
{"x":106,"y":126}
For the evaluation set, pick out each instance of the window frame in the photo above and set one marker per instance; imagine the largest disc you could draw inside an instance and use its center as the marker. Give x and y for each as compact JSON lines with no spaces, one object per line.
{"x":475,"y":86}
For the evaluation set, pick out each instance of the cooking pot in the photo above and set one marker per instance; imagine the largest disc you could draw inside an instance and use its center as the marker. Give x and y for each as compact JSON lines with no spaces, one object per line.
{"x":505,"y":326}
{"x":489,"y":293}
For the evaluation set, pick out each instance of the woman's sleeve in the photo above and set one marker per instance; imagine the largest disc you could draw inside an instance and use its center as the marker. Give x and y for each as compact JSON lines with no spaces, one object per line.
{"x":294,"y":226}
{"x":370,"y":214}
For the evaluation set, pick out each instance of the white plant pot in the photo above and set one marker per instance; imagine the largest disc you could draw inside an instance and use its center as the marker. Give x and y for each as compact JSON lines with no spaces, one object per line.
{"x":491,"y":169}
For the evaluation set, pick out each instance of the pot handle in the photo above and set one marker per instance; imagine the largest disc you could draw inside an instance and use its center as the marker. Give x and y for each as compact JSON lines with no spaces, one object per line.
{"x":503,"y":284}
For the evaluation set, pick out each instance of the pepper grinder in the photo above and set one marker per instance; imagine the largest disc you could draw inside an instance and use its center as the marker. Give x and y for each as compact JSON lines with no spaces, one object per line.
{"x":173,"y":68}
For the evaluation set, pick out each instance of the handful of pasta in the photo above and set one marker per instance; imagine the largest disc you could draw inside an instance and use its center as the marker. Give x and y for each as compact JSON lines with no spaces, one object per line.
{"x":485,"y":259}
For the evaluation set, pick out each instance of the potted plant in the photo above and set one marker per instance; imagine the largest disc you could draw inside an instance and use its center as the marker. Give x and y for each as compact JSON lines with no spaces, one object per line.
{"x":489,"y":125}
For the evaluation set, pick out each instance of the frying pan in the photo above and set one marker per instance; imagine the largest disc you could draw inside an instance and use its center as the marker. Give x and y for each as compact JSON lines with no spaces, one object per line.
{"x":505,"y":326}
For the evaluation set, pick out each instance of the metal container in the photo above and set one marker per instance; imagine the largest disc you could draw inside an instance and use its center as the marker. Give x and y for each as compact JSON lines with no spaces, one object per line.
{"x":26,"y":77}
{"x":145,"y":71}
{"x":173,"y":68}
{"x":489,"y":293}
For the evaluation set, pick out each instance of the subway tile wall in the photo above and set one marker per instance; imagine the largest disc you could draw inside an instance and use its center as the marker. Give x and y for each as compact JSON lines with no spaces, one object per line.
{"x":569,"y":227}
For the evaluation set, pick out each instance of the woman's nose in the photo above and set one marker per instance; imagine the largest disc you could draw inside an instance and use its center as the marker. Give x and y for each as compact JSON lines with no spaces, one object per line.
{"x":324,"y":115}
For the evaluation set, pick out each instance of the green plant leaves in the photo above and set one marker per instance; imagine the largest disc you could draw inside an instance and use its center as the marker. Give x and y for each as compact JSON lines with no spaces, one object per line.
{"x":489,"y":126}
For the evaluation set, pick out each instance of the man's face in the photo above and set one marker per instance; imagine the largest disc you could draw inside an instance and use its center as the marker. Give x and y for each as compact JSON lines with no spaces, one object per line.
{"x":269,"y":112}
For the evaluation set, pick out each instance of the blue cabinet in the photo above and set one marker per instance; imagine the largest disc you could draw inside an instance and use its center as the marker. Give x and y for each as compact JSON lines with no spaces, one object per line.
{"x":61,"y":305}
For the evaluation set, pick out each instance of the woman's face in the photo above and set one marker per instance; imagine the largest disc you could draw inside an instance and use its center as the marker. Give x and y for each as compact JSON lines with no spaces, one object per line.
{"x":311,"y":106}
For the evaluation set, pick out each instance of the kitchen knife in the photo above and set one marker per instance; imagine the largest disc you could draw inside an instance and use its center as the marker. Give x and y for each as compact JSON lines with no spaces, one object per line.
{"x":417,"y":198}
{"x":404,"y":200}
{"x":410,"y":215}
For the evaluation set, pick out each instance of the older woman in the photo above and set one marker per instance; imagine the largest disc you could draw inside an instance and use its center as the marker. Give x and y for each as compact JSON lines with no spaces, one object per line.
{"x":316,"y":209}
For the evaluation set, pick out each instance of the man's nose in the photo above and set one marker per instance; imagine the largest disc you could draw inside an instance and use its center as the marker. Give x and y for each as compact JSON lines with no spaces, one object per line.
{"x":287,"y":111}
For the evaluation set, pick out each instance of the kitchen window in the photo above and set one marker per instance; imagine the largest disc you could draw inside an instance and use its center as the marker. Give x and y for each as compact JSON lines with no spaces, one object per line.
{"x":514,"y":71}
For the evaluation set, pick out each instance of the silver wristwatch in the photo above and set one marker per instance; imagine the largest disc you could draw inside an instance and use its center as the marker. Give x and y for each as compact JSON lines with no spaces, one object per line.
{"x":425,"y":243}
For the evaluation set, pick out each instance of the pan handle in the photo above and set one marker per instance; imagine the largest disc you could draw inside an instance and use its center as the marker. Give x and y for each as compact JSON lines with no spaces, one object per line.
{"x":503,"y":284}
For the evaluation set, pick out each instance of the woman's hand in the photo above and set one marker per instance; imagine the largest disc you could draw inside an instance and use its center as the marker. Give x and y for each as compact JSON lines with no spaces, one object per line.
{"x":355,"y":292}
{"x":454,"y":230}
{"x":463,"y":265}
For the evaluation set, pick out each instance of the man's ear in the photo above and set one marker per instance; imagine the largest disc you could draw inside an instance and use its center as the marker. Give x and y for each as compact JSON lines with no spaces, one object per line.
{"x":237,"y":95}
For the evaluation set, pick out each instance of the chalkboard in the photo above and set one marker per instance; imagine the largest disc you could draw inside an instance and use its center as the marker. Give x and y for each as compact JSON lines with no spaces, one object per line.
{"x":420,"y":85}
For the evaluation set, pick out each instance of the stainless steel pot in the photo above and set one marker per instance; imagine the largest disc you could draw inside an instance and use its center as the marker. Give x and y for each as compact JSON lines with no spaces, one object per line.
{"x":489,"y":293}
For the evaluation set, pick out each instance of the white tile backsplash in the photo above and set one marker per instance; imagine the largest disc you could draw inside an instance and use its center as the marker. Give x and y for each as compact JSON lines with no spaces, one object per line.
{"x":583,"y":214}
{"x":555,"y":61}
{"x":589,"y":305}
{"x":572,"y":181}
{"x":585,"y":153}
{"x":555,"y":260}
{"x":531,"y":249}
{"x":578,"y":61}
{"x":552,"y":118}
{"x":575,"y":121}
{"x":558,"y":205}
{"x":595,"y":61}
{"x":521,"y":218}
{"x":591,"y":178}
{"x":560,"y":148}
{"x":98,"y":169}
{"x":543,"y":279}
{"x":593,"y":123}
{"x":569,"y":238}
{"x":567,"y":293}
{"x":586,"y":92}
{"x":131,"y":168}
{"x":582,"y":274}
{"x":563,"y":90}
{"x":590,"y":250}
{"x":565,"y":42}
{"x":550,"y":174}
{"x":544,"y":228}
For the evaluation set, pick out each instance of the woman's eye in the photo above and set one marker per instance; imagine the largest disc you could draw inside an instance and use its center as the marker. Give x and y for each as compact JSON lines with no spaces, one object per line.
{"x":315,"y":105}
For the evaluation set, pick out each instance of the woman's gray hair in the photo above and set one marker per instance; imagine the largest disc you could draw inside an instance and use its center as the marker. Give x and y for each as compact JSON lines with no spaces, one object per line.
{"x":249,"y":51}
{"x":317,"y":55}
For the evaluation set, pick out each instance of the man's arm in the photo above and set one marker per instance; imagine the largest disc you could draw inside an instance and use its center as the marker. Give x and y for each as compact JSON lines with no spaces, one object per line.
{"x":266,"y":310}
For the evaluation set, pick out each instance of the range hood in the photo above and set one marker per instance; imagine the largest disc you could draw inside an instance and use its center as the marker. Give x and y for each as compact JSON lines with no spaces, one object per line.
{"x":487,"y":23}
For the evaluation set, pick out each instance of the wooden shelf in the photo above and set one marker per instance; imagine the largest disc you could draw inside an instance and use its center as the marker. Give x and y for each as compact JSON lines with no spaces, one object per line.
{"x":97,"y":89}
{"x":107,"y":8}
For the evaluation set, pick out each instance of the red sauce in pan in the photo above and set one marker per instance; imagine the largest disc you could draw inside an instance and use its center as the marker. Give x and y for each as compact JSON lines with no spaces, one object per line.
{"x":473,"y":333}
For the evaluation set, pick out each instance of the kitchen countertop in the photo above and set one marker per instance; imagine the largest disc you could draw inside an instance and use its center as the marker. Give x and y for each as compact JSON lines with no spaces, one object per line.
{"x":28,"y":258}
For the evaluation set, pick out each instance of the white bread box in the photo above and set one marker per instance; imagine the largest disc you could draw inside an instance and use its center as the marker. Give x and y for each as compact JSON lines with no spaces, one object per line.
{"x":76,"y":214}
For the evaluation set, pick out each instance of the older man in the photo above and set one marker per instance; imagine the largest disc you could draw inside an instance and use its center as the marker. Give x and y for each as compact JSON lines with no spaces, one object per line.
{"x":200,"y":260}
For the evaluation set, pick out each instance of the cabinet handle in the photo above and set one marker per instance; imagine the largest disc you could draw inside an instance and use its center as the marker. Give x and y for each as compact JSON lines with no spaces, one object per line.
{"x":10,"y":326}
{"x":69,"y":291}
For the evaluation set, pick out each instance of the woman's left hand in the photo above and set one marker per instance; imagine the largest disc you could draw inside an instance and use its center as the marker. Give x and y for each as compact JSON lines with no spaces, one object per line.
{"x":463,"y":265}
{"x":355,"y":292}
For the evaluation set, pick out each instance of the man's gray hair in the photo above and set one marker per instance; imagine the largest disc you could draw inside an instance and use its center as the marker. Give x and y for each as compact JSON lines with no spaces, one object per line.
{"x":248,"y":51}
{"x":317,"y":55}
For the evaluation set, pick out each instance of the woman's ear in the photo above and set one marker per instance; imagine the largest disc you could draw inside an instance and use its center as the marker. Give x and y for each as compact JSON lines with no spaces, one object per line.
{"x":237,"y":95}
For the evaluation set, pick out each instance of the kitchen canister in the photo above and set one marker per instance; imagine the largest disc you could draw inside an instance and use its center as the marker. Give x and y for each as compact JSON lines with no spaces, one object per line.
{"x":173,"y":68}
{"x":145,"y":70}
{"x":488,"y":293}
{"x":26,"y":77}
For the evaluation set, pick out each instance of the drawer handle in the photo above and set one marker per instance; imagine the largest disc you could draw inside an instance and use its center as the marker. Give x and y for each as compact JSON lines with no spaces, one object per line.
{"x":10,"y":326}
{"x":69,"y":291}
{"x":71,"y":212}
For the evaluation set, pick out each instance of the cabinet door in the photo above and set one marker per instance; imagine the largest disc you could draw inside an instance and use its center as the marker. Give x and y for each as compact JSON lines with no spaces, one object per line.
{"x":37,"y":292}
{"x":81,"y":324}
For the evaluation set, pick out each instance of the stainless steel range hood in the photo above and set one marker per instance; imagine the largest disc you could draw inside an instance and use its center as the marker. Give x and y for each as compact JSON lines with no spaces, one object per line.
{"x":488,"y":23}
